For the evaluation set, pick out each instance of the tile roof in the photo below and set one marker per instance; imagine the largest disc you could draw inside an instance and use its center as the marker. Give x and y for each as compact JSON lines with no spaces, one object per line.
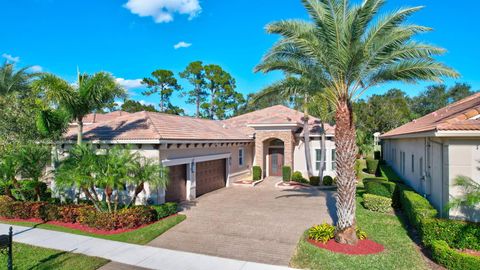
{"x":459,"y":116}
{"x":159,"y":126}
{"x":277,"y":114}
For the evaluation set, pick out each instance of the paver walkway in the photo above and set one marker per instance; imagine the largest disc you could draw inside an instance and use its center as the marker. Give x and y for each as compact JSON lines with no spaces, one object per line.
{"x":261,"y":224}
{"x":128,"y":254}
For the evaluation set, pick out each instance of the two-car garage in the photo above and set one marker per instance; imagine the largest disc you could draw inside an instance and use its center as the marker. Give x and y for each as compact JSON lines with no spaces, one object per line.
{"x":208,"y":176}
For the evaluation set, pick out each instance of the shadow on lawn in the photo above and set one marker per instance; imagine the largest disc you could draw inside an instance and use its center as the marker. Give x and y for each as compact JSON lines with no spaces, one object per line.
{"x":50,"y":262}
{"x":312,"y":192}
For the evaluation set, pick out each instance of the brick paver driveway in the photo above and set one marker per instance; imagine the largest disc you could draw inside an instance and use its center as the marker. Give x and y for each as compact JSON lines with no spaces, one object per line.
{"x":261,"y":224}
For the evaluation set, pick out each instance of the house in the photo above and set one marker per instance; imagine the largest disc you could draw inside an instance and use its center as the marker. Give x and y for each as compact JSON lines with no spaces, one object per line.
{"x":205,"y":155}
{"x":431,"y":151}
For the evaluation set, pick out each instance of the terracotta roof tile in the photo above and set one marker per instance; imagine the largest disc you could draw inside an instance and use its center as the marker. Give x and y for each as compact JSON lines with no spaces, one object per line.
{"x":456,"y":116}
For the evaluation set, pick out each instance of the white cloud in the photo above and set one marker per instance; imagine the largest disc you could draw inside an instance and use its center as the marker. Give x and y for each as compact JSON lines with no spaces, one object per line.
{"x":36,"y":68}
{"x":129,"y":84}
{"x":143,"y":102}
{"x":182,"y":44}
{"x":11,"y":58}
{"x":162,"y":11}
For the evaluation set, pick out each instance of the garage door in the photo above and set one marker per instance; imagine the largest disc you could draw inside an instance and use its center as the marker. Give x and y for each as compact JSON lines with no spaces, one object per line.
{"x":210,"y":176}
{"x":176,"y":189}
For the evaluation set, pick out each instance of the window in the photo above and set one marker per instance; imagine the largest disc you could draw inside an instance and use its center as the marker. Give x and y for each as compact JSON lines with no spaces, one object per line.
{"x":241,"y":153}
{"x":318,"y":157}
{"x":402,"y":162}
{"x":334,"y":159}
{"x":413,"y":163}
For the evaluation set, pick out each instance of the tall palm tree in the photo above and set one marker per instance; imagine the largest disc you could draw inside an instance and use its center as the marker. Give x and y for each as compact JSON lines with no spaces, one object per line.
{"x":353,"y":50}
{"x":89,"y":94}
{"x":15,"y":81}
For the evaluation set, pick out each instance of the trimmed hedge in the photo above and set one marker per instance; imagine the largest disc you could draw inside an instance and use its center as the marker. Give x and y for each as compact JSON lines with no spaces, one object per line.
{"x":297,"y":177}
{"x":388,"y":173}
{"x":377,"y":203}
{"x":372,"y":166}
{"x":286,"y":173}
{"x":166,"y":209}
{"x":256,"y":173}
{"x":327,"y":180}
{"x":453,"y":259}
{"x":416,"y":207}
{"x":377,"y":188}
{"x":458,"y":234}
{"x":314,"y":180}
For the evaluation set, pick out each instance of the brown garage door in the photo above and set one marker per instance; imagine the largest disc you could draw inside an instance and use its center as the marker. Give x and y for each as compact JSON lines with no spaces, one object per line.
{"x":176,"y":188}
{"x":210,"y":176}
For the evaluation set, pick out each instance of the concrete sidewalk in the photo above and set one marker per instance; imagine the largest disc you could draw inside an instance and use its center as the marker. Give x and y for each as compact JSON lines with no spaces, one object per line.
{"x":129,"y":254}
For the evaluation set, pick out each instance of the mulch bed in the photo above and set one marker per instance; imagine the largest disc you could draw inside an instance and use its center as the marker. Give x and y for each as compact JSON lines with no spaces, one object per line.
{"x":80,"y":227}
{"x":364,"y":247}
{"x":471,"y":252}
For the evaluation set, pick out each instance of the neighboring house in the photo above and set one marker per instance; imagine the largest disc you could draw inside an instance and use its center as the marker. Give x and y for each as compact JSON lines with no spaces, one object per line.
{"x":205,"y":155}
{"x":430,"y":152}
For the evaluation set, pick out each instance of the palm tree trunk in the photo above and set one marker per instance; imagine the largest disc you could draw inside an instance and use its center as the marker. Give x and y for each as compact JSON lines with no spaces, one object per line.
{"x":324,"y":153}
{"x":91,"y":198}
{"x":346,"y":154}
{"x":108,"y":195}
{"x":306,"y":137}
{"x":80,"y":132}
{"x":138,"y":189}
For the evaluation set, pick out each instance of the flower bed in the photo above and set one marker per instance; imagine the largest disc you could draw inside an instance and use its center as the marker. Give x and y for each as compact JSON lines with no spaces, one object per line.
{"x":85,"y":216}
{"x":364,"y":247}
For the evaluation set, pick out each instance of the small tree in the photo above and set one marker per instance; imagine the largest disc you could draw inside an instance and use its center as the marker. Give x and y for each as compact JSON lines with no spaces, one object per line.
{"x":32,"y":161}
{"x":8,"y":170}
{"x":163,"y":83}
{"x":146,"y":170}
{"x":195,"y":74}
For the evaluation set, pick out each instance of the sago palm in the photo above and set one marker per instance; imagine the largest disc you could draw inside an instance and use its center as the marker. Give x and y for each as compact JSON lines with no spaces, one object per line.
{"x":353,"y":50}
{"x":89,"y":94}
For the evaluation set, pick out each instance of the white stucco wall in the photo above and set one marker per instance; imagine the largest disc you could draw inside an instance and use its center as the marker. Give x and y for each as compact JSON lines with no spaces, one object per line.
{"x":443,"y":160}
{"x":299,"y":161}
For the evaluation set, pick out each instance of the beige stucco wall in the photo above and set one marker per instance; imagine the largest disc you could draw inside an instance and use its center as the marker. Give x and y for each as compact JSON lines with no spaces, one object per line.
{"x":443,"y":160}
{"x":263,"y":137}
{"x":300,"y":163}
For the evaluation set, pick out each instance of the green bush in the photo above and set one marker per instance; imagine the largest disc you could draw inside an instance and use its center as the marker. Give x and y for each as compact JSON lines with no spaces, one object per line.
{"x":321,"y":233}
{"x":376,"y":155}
{"x":27,"y":188}
{"x":166,"y":209}
{"x":377,"y":203}
{"x":358,"y":168}
{"x":372,"y":166}
{"x":458,"y":234}
{"x":286,"y":173}
{"x":298,"y":177}
{"x":376,"y":188}
{"x":453,"y":259}
{"x":327,"y":180}
{"x":314,"y":180}
{"x":388,"y":173}
{"x":134,"y":217}
{"x":256,"y":173}
{"x":416,"y":207}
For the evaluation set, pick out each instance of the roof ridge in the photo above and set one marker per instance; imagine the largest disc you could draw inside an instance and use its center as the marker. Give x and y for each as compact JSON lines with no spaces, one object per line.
{"x":152,"y":123}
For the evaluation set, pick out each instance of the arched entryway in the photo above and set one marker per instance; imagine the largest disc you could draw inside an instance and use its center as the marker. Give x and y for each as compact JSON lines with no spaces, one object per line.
{"x":275,"y":156}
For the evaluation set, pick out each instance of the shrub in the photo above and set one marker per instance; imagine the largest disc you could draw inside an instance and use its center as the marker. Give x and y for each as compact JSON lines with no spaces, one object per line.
{"x":49,"y":212}
{"x":362,"y":235}
{"x":372,"y":166}
{"x":314,"y":180}
{"x":286,"y":173}
{"x":298,"y":177}
{"x":70,"y":213}
{"x":321,"y":233}
{"x":458,"y":234}
{"x":376,"y":188}
{"x":135,"y":216}
{"x":256,"y":173}
{"x":327,"y":180}
{"x":377,"y":203}
{"x":453,"y":259}
{"x":416,"y":207}
{"x":27,"y":188}
{"x":388,"y":173}
{"x":166,"y":209}
{"x":376,"y":155}
{"x":358,"y":167}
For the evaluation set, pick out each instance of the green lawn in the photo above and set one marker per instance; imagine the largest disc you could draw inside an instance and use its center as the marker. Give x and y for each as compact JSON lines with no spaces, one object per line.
{"x":389,"y":230}
{"x":29,"y":257}
{"x":140,"y":236}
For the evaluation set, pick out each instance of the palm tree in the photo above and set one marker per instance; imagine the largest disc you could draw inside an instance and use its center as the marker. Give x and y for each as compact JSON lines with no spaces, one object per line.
{"x":32,"y":160}
{"x":89,"y":94}
{"x":9,"y":169}
{"x":354,"y":50}
{"x":291,"y":87}
{"x":147,"y":171}
{"x":12,"y":81}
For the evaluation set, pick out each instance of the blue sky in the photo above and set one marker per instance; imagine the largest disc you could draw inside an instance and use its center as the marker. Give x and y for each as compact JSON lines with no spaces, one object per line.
{"x":132,"y":38}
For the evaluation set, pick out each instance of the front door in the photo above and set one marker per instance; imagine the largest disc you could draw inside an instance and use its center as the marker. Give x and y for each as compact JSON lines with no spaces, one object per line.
{"x":276,"y":161}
